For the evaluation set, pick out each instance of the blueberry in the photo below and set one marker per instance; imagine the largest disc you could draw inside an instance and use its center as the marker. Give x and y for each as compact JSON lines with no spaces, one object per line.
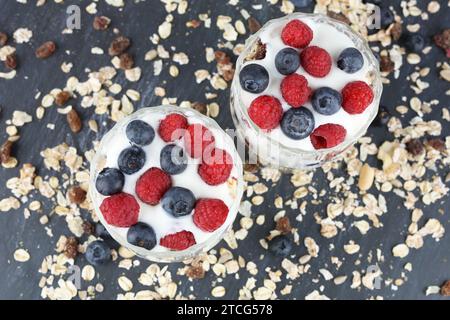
{"x":142,"y":235}
{"x":287,"y":61}
{"x":297,"y":123}
{"x":98,"y":252}
{"x":386,"y":17}
{"x":140,"y":132}
{"x":173,"y":159}
{"x":254,"y":78}
{"x":326,"y":101}
{"x":350,"y":60}
{"x":301,"y":3}
{"x":101,"y":231}
{"x":280,"y":246}
{"x":413,"y":42}
{"x":131,"y":160}
{"x":178,"y":201}
{"x":109,"y":181}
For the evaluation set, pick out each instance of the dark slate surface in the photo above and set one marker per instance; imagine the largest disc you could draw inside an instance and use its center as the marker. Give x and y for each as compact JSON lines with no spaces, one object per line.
{"x":431,"y":264}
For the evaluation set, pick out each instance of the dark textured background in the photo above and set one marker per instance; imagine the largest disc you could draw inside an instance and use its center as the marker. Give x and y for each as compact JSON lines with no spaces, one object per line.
{"x":431,"y":264}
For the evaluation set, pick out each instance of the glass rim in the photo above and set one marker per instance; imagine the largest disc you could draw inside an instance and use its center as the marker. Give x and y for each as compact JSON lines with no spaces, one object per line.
{"x":359,"y":42}
{"x":167,"y":256}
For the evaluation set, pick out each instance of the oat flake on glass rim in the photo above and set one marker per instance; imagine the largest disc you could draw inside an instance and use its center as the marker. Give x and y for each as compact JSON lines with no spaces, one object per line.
{"x":230,"y":192}
{"x":274,"y":149}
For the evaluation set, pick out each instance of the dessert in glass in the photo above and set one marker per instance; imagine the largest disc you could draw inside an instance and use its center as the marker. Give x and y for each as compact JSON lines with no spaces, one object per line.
{"x":306,"y":88}
{"x":166,"y":182}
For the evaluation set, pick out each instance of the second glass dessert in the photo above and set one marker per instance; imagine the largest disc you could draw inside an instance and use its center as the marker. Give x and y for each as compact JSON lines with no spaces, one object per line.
{"x":306,"y":88}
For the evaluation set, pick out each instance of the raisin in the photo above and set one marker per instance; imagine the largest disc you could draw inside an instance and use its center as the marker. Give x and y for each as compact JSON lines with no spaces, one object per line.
{"x":200,"y":107}
{"x":284,"y":225}
{"x":396,"y":31}
{"x":101,"y":23}
{"x":253,"y":25}
{"x":76,"y":195}
{"x":88,"y":228}
{"x":62,"y":98}
{"x":5,"y":151}
{"x":74,"y":121}
{"x":11,"y":61}
{"x":126,"y":61}
{"x":193,"y":24}
{"x":386,"y":64}
{"x":119,"y":45}
{"x":252,"y":168}
{"x":445,"y":289}
{"x":436,"y":144}
{"x":71,"y":248}
{"x":415,"y":147}
{"x":45,"y":50}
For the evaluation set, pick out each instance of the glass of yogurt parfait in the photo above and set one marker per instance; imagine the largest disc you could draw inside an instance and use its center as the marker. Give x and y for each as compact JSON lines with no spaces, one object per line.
{"x":166,"y":182}
{"x":306,"y":88}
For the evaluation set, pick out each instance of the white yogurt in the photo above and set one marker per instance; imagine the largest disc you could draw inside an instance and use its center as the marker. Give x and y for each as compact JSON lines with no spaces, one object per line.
{"x":334,"y":42}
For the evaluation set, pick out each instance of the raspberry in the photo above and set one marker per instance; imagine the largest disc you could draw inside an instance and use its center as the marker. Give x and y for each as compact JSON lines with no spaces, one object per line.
{"x":216,"y":168}
{"x":356,"y":97}
{"x":327,"y":136}
{"x":152,"y":185}
{"x":266,"y":112}
{"x":296,"y":34}
{"x":210,"y":214}
{"x":316,"y":61}
{"x":120,"y":210}
{"x":172,"y":127}
{"x":178,"y":241}
{"x":198,"y":140}
{"x":295,"y":90}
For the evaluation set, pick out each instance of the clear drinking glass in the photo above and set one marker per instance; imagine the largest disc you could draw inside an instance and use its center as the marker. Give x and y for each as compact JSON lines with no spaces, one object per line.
{"x":236,"y":188}
{"x":274,"y":153}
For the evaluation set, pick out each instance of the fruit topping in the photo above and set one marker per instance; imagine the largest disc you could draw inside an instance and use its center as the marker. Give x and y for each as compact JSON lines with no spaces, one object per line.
{"x":173,"y":160}
{"x":316,"y":61}
{"x":295,"y":90}
{"x":266,"y":112}
{"x":297,"y":34}
{"x":109,"y":181}
{"x":254,"y":78}
{"x":326,"y":101}
{"x":210,"y":214}
{"x":216,"y":168}
{"x":142,"y":235}
{"x":287,"y":61}
{"x":178,"y":241}
{"x":172,"y":127}
{"x":297,"y":123}
{"x":131,"y":160}
{"x":356,"y":97}
{"x":178,"y":201}
{"x":152,"y":185}
{"x":140,"y":132}
{"x":120,"y":210}
{"x":328,"y":135}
